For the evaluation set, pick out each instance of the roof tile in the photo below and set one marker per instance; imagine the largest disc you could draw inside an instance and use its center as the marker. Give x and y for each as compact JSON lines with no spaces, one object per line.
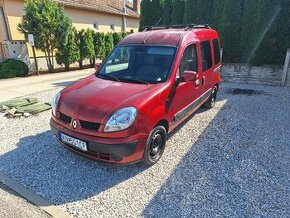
{"x":107,"y":6}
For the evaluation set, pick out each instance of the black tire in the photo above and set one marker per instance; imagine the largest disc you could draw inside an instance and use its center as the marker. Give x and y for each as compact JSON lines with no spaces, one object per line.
{"x":155,"y":146}
{"x":210,"y":103}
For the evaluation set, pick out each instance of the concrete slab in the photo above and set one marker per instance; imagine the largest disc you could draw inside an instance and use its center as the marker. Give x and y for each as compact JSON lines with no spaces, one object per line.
{"x":17,"y":87}
{"x":12,"y":205}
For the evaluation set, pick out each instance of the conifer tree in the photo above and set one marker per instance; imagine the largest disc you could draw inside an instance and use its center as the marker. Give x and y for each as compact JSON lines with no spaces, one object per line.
{"x":167,"y":12}
{"x":204,"y":11}
{"x":177,"y":11}
{"x":90,"y":47}
{"x":230,"y":31}
{"x":68,"y":53}
{"x":190,"y":13}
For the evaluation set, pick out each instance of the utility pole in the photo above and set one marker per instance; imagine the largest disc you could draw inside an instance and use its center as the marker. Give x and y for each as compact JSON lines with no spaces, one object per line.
{"x":124,"y":23}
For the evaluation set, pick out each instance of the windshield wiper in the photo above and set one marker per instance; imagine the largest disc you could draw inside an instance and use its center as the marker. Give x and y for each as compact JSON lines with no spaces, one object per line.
{"x":110,"y":77}
{"x":134,"y":80}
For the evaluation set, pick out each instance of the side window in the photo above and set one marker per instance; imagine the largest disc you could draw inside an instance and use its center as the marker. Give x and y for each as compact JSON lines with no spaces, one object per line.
{"x":216,"y":48}
{"x":206,"y":55}
{"x":189,"y":59}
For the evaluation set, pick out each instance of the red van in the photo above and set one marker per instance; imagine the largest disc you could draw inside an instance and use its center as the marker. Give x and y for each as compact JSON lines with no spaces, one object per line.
{"x":151,"y":82}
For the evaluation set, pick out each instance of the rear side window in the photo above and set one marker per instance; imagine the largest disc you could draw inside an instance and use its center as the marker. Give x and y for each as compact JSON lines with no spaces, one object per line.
{"x":206,"y":55}
{"x":216,"y":48}
{"x":189,"y":59}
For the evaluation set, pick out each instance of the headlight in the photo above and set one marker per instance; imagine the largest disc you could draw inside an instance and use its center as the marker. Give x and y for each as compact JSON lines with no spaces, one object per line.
{"x":122,"y":119}
{"x":54,"y":103}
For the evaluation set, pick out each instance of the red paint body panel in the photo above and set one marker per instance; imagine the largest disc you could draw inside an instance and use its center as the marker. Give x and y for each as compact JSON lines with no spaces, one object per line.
{"x":96,"y":100}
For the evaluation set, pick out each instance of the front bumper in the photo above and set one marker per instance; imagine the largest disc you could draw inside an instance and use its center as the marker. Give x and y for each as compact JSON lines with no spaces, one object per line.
{"x":111,"y":150}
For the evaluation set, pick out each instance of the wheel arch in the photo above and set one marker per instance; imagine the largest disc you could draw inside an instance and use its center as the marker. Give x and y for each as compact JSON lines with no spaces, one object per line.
{"x":163,"y":123}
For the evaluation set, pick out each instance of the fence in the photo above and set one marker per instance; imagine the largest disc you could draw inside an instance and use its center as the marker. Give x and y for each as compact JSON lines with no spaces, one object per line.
{"x":268,"y":75}
{"x":4,"y":52}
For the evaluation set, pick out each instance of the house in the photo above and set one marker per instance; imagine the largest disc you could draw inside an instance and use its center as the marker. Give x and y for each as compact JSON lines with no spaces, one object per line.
{"x":99,"y":15}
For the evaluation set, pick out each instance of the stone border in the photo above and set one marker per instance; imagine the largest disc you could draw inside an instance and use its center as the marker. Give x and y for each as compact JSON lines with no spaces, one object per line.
{"x":37,"y":200}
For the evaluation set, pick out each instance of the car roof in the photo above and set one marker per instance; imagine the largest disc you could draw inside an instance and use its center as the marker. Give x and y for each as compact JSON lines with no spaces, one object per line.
{"x":170,"y":37}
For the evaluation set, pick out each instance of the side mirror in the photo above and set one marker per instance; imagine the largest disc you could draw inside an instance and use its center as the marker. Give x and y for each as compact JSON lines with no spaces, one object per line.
{"x":188,"y":76}
{"x":97,"y":67}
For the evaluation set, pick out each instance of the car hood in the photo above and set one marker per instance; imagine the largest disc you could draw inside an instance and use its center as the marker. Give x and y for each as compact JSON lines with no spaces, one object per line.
{"x":93,"y":99}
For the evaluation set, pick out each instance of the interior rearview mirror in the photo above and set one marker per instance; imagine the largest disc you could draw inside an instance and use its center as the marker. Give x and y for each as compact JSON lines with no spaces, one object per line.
{"x":188,"y":76}
{"x":97,"y":67}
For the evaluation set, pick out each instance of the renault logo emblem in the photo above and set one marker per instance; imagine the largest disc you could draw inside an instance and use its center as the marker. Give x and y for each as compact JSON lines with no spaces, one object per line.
{"x":74,"y":124}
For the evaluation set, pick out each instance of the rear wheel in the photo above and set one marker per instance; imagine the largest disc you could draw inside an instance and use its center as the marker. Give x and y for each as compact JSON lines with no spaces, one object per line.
{"x":155,"y":146}
{"x":210,"y":103}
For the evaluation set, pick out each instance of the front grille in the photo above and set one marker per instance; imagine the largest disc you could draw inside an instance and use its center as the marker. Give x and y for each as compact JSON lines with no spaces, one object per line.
{"x":90,"y":125}
{"x":65,"y":118}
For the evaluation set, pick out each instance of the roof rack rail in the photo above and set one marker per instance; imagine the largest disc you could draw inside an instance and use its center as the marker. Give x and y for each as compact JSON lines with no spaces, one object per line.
{"x":178,"y":26}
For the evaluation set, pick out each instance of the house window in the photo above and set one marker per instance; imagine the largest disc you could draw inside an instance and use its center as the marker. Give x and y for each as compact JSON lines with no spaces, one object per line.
{"x":112,"y":26}
{"x":96,"y":25}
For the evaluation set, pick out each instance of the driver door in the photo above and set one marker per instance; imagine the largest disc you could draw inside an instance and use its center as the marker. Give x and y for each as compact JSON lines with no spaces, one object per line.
{"x":186,"y":93}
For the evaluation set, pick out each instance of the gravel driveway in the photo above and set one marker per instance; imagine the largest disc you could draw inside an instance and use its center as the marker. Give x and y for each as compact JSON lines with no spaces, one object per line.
{"x":231,"y":161}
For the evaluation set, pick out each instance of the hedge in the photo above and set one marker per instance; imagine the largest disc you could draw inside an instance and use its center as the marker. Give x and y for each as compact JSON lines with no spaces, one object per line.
{"x":13,"y":68}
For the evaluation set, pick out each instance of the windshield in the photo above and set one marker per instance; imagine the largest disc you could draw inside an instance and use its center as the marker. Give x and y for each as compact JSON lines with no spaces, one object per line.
{"x":138,"y":64}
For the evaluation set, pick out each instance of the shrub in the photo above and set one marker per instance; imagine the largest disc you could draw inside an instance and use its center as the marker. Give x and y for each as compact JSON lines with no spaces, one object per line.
{"x":68,"y":53}
{"x":100,"y":49}
{"x":109,"y":43}
{"x":117,"y":37}
{"x":13,"y":68}
{"x":89,"y":39}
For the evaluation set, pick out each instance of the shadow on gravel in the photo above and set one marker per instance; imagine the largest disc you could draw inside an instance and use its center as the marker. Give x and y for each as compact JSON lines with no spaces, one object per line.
{"x":60,"y":176}
{"x":239,"y":167}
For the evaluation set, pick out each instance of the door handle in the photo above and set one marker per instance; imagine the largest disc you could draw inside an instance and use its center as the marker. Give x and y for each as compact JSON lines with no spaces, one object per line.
{"x":203,"y":80}
{"x":197,"y":82}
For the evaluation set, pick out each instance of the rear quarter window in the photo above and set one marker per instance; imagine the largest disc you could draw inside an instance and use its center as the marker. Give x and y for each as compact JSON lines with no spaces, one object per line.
{"x":217,"y":54}
{"x":206,"y":55}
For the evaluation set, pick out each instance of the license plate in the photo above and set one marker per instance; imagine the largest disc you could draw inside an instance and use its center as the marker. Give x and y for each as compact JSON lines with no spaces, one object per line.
{"x":74,"y":142}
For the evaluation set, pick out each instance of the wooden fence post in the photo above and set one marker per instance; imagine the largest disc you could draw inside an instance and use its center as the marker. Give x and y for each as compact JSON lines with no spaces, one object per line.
{"x":286,"y":67}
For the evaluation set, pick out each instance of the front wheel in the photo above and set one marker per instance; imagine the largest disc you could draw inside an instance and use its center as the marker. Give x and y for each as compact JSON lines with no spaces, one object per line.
{"x":210,"y":103}
{"x":155,"y":146}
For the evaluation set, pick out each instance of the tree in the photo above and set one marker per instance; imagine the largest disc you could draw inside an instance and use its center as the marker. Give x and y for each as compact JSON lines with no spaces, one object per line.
{"x":144,"y":14}
{"x":177,"y":12}
{"x":68,"y":53}
{"x":249,"y":30}
{"x":89,"y":46}
{"x":218,"y":6}
{"x":85,"y":43}
{"x":205,"y":11}
{"x":167,"y":12}
{"x":151,"y":13}
{"x":100,"y":50}
{"x":117,"y":38}
{"x":81,"y":43}
{"x":124,"y":34}
{"x":47,"y":22}
{"x":262,"y":35}
{"x":190,"y":13}
{"x":109,"y":43}
{"x":230,"y":32}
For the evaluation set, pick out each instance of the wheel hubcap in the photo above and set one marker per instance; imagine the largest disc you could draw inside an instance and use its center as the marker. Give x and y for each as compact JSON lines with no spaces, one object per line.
{"x":156,"y":145}
{"x":213,"y":98}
